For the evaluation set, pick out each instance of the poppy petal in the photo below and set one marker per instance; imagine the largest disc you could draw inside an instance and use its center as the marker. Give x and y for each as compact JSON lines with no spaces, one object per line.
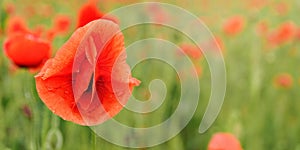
{"x":77,"y":83}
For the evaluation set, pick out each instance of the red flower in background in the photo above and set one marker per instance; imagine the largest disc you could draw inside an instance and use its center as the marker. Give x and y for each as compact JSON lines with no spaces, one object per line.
{"x":10,"y":8}
{"x":298,"y":34}
{"x":61,"y":26}
{"x":284,"y":80}
{"x":27,"y":50}
{"x":158,"y":14}
{"x":234,"y":25}
{"x":215,"y":45}
{"x":286,"y":32}
{"x":220,"y":44}
{"x":23,"y":47}
{"x":62,"y":23}
{"x":282,"y":8}
{"x":73,"y":94}
{"x":15,"y":25}
{"x":224,"y":141}
{"x":89,"y":12}
{"x":191,"y":50}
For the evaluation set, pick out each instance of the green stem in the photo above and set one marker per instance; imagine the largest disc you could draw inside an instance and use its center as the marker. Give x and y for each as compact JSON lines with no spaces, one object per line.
{"x":94,"y":140}
{"x":45,"y":127}
{"x":27,"y":85}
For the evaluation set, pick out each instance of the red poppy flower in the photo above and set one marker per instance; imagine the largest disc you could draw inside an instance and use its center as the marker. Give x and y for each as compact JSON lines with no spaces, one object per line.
{"x":10,"y":8}
{"x":220,"y":44}
{"x":234,"y":25}
{"x":61,"y":26}
{"x":27,"y":50}
{"x":284,"y":33}
{"x":89,"y":12}
{"x":298,"y":34}
{"x":191,"y":50}
{"x":282,"y":8}
{"x":15,"y":25}
{"x":198,"y":68}
{"x":62,"y":23}
{"x":158,"y":14}
{"x":224,"y":141}
{"x":284,"y":80}
{"x":88,"y":80}
{"x":214,"y":45}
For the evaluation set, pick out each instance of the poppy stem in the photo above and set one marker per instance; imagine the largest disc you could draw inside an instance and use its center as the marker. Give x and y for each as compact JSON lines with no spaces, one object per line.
{"x":94,"y":140}
{"x":45,"y":126}
{"x":28,"y":93}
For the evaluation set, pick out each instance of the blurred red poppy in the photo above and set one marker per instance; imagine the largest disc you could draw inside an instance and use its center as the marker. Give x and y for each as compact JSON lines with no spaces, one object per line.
{"x":224,"y":141}
{"x":286,"y":32}
{"x":61,"y":26}
{"x":281,"y":8}
{"x":15,"y":25}
{"x":89,"y":12}
{"x":298,"y":34}
{"x":284,"y":80}
{"x":27,"y":50}
{"x":234,"y":25}
{"x":71,"y":83}
{"x":192,"y":51}
{"x":158,"y":14}
{"x":10,"y":8}
{"x":50,"y":34}
{"x":214,"y":45}
{"x":62,"y":23}
{"x":220,"y":44}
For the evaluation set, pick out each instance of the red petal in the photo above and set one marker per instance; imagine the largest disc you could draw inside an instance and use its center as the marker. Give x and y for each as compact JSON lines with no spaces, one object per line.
{"x":94,"y":100}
